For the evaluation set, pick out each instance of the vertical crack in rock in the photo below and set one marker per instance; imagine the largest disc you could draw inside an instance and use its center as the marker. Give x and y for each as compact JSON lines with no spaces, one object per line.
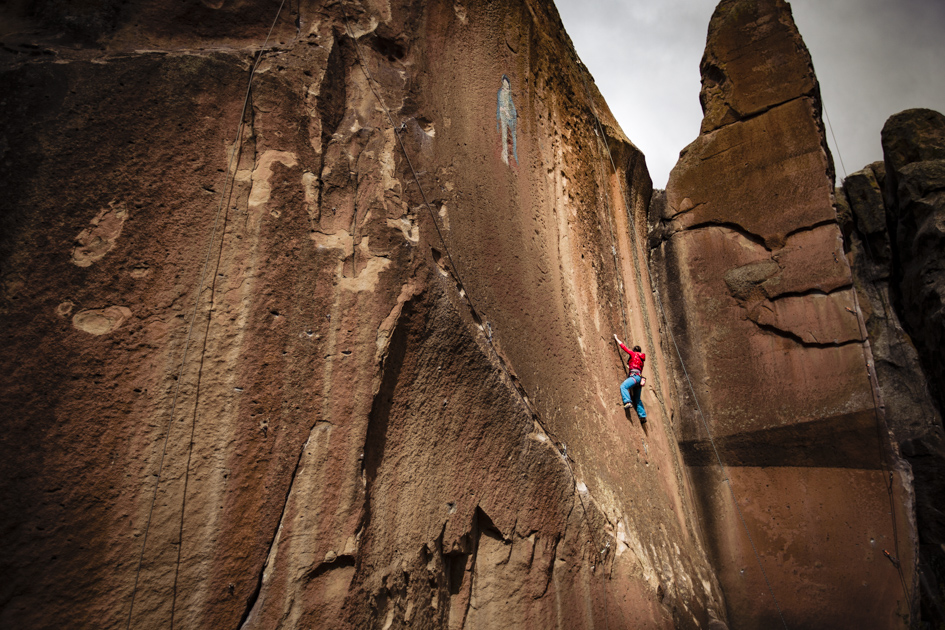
{"x":253,"y":599}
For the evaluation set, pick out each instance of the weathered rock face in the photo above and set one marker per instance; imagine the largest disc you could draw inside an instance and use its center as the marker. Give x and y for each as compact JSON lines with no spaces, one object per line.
{"x":248,"y":382}
{"x":914,"y":151}
{"x":764,"y":310}
{"x":888,"y":299}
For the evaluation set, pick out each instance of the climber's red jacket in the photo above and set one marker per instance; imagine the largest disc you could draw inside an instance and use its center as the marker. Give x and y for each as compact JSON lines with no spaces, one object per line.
{"x":635,"y":362}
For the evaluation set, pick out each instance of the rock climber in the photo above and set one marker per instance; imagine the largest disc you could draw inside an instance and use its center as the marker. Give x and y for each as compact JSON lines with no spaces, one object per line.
{"x":631,"y":388}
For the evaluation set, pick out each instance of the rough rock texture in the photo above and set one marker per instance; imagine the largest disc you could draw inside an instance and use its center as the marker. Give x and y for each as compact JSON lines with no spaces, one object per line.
{"x":914,"y":153}
{"x":349,"y":420}
{"x":762,"y":304}
{"x":899,"y":283}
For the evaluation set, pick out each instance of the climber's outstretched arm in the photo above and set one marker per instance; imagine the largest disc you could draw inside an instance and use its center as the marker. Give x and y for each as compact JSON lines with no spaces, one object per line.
{"x":620,"y":343}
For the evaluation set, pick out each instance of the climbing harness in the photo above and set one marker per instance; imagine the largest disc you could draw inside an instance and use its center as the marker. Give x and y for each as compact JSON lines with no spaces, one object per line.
{"x":190,"y":329}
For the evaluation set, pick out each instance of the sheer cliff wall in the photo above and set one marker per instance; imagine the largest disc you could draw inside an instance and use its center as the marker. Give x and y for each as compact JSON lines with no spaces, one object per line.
{"x":284,"y":377}
{"x":893,"y":232}
{"x":808,"y":506}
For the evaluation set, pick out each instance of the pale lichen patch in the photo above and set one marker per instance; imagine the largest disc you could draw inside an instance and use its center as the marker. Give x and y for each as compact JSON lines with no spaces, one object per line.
{"x":262,"y":188}
{"x":101,"y":321}
{"x":65,"y":308}
{"x":99,"y":238}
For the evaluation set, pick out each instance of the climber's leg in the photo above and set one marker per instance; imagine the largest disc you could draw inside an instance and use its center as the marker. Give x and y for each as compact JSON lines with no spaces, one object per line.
{"x":627,"y":387}
{"x":635,"y":398}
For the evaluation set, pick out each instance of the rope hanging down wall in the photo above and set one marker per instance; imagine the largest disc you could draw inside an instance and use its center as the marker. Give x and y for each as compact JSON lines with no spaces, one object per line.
{"x":180,"y":375}
{"x":882,"y":429}
{"x":659,"y":305}
{"x":468,"y":297}
{"x":881,"y":426}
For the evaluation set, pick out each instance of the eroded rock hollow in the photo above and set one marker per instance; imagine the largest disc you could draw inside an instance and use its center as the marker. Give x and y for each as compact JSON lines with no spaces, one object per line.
{"x":314,"y":328}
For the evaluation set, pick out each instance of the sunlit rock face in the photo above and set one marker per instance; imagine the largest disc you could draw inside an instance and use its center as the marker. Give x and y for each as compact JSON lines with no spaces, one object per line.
{"x":343,"y":368}
{"x":761,"y":298}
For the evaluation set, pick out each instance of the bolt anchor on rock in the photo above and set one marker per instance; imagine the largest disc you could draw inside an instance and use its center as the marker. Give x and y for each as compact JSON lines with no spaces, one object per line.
{"x":891,"y":558}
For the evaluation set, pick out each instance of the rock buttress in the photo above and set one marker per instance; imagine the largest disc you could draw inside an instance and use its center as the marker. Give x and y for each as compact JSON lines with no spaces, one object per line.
{"x":374,"y":426}
{"x":761,"y":300}
{"x":899,"y":285}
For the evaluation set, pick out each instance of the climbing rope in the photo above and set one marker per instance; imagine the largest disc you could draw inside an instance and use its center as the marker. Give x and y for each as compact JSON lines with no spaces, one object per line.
{"x":695,"y":399}
{"x":599,"y":132}
{"x":881,"y":427}
{"x":602,"y":139}
{"x":718,"y":458}
{"x":882,"y":430}
{"x":827,"y":116}
{"x":203,"y":275}
{"x":488,"y":338}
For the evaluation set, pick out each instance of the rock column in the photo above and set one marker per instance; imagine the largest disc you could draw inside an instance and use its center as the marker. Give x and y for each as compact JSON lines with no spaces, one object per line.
{"x":760,"y":298}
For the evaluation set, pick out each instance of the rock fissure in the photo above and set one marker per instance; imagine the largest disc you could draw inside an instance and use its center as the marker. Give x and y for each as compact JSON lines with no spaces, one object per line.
{"x":726,"y":225}
{"x":812,"y":96}
{"x":799,"y":339}
{"x":810,"y":228}
{"x":253,"y":599}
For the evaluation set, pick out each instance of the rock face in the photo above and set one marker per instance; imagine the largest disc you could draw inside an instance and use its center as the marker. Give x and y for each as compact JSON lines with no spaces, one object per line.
{"x":765,"y":314}
{"x":899,"y":283}
{"x":313,"y":329}
{"x":311,"y":364}
{"x":914,"y":151}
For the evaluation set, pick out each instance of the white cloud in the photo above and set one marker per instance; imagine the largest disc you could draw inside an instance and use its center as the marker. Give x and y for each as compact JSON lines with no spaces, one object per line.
{"x":873,"y":58}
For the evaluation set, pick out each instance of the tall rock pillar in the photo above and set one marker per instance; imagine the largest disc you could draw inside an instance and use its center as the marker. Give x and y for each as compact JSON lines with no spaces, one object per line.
{"x":803,"y":500}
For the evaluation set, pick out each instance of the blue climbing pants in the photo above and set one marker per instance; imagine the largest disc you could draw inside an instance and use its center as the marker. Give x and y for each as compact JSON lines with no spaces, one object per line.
{"x":630,"y":393}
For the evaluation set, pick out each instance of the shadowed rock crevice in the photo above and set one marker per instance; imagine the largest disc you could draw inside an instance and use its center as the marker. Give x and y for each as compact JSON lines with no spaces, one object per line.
{"x":727,"y":225}
{"x":801,"y":341}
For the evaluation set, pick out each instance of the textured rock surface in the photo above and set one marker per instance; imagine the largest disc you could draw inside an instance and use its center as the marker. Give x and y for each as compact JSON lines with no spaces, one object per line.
{"x":764,"y":311}
{"x":900,"y":280}
{"x":914,"y":153}
{"x":354,"y":439}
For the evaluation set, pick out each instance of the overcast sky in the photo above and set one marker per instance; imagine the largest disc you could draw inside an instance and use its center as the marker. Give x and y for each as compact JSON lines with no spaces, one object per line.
{"x":873,"y":58}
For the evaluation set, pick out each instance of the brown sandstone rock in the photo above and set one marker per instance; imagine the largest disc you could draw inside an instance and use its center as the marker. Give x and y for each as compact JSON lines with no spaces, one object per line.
{"x":914,"y":150}
{"x":752,"y":62}
{"x":762,"y":307}
{"x":375,"y":426}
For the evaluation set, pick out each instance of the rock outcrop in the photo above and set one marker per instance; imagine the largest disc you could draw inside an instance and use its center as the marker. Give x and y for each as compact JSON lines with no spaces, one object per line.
{"x":764,"y":310}
{"x":349,"y":366}
{"x":899,"y":283}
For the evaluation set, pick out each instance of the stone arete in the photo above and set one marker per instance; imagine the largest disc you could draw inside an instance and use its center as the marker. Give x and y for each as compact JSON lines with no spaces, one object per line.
{"x":761,"y":301}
